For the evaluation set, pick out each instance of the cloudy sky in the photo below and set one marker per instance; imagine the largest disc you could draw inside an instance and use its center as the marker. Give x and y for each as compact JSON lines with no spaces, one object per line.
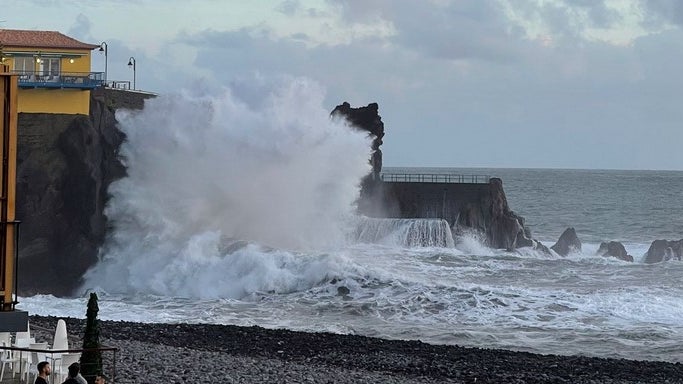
{"x":460,"y":83}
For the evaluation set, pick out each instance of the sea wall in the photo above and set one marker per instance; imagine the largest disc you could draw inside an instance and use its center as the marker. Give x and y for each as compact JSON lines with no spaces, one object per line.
{"x":65,"y":164}
{"x":468,"y":207}
{"x":446,"y":201}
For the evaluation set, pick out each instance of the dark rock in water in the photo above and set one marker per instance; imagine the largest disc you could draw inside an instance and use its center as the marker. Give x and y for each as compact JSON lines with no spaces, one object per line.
{"x":343,"y":291}
{"x":567,"y":243}
{"x":663,"y":250}
{"x":504,"y":226}
{"x":65,"y":164}
{"x":540,"y":247}
{"x":614,"y":249}
{"x":523,"y":241}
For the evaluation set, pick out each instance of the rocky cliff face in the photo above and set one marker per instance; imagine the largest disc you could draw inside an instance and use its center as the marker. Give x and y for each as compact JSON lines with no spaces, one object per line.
{"x":65,"y":164}
{"x":368,"y":119}
{"x":505,"y":229}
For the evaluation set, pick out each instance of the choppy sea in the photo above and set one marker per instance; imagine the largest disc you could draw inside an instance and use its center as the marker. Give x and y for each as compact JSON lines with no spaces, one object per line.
{"x":217,"y":223}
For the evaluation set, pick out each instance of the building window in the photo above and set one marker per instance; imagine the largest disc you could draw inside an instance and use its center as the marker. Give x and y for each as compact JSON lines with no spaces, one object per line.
{"x":49,"y":67}
{"x":24,"y":65}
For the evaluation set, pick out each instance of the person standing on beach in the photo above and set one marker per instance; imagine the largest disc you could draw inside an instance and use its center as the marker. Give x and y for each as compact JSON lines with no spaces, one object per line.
{"x":44,"y":371}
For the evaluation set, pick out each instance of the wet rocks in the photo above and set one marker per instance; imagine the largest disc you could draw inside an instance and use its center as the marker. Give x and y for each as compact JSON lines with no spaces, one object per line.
{"x":614,"y":249}
{"x":567,"y":243}
{"x":522,"y":241}
{"x":663,"y":250}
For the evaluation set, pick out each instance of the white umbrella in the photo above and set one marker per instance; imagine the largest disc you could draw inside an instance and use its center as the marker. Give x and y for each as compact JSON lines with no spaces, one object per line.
{"x":60,"y":340}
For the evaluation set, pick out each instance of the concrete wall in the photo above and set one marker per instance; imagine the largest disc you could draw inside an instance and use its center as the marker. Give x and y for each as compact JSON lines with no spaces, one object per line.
{"x":451,"y":202}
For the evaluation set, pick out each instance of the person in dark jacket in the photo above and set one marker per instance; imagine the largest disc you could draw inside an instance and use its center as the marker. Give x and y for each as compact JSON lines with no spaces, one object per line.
{"x":74,"y":369}
{"x":43,"y":372}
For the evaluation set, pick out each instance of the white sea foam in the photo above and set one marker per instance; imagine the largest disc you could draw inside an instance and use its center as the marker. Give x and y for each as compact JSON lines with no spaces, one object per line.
{"x":593,"y":305}
{"x":266,"y":165}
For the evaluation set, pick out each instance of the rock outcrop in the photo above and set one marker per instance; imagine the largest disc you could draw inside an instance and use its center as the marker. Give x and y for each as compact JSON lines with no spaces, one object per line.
{"x":663,"y":250}
{"x":614,"y":249}
{"x":368,"y":119}
{"x":505,"y":229}
{"x":372,"y":200}
{"x":65,"y":164}
{"x":567,"y":243}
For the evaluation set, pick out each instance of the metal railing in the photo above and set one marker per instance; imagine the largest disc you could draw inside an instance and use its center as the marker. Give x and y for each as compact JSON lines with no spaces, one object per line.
{"x":434,"y":178}
{"x":120,"y":84}
{"x":40,"y":79}
{"x":23,"y":358}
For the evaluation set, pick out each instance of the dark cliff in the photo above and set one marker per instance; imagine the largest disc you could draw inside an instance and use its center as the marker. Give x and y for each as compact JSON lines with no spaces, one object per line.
{"x":371,"y":201}
{"x":368,"y":119}
{"x":65,"y":164}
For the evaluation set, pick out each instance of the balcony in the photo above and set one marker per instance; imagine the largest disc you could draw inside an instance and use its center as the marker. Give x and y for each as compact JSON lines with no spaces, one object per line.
{"x":73,"y":80}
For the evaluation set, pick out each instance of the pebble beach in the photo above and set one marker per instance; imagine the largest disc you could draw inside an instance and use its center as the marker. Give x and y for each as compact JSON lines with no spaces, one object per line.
{"x":205,"y":353}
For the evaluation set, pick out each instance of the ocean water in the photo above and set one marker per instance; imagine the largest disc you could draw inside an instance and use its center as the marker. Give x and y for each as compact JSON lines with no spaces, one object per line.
{"x":238,"y":210}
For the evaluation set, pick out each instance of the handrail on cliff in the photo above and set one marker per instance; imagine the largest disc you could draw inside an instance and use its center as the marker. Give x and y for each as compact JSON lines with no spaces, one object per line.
{"x":434,"y":178}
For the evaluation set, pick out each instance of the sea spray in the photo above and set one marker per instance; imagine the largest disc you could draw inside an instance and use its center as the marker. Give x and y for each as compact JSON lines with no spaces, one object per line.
{"x":270,"y":168}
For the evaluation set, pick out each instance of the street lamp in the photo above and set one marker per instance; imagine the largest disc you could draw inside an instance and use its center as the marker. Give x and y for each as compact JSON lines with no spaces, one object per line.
{"x":131,"y":63}
{"x":103,"y":48}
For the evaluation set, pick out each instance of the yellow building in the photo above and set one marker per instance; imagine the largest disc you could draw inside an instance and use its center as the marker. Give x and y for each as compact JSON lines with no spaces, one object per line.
{"x":54,"y":71}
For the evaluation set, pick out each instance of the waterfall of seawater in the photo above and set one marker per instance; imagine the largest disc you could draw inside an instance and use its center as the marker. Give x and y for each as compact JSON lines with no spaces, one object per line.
{"x":405,"y":232}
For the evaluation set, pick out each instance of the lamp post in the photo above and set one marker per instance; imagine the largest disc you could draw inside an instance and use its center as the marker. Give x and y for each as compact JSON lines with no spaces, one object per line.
{"x":131,"y":63}
{"x":103,"y":48}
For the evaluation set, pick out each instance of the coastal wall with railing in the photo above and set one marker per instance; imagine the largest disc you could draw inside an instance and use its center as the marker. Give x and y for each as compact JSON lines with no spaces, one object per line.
{"x":452,"y":197}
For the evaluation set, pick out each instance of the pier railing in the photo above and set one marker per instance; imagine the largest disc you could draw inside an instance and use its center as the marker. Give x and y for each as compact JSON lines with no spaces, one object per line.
{"x":24,"y":361}
{"x":42,"y":79}
{"x":434,"y":178}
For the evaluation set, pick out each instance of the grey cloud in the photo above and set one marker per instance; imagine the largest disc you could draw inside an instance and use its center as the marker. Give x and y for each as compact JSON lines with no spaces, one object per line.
{"x":289,"y":7}
{"x":81,"y":28}
{"x":663,"y":11}
{"x":453,"y":31}
{"x":599,"y":15}
{"x":505,"y":102}
{"x":364,"y":11}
